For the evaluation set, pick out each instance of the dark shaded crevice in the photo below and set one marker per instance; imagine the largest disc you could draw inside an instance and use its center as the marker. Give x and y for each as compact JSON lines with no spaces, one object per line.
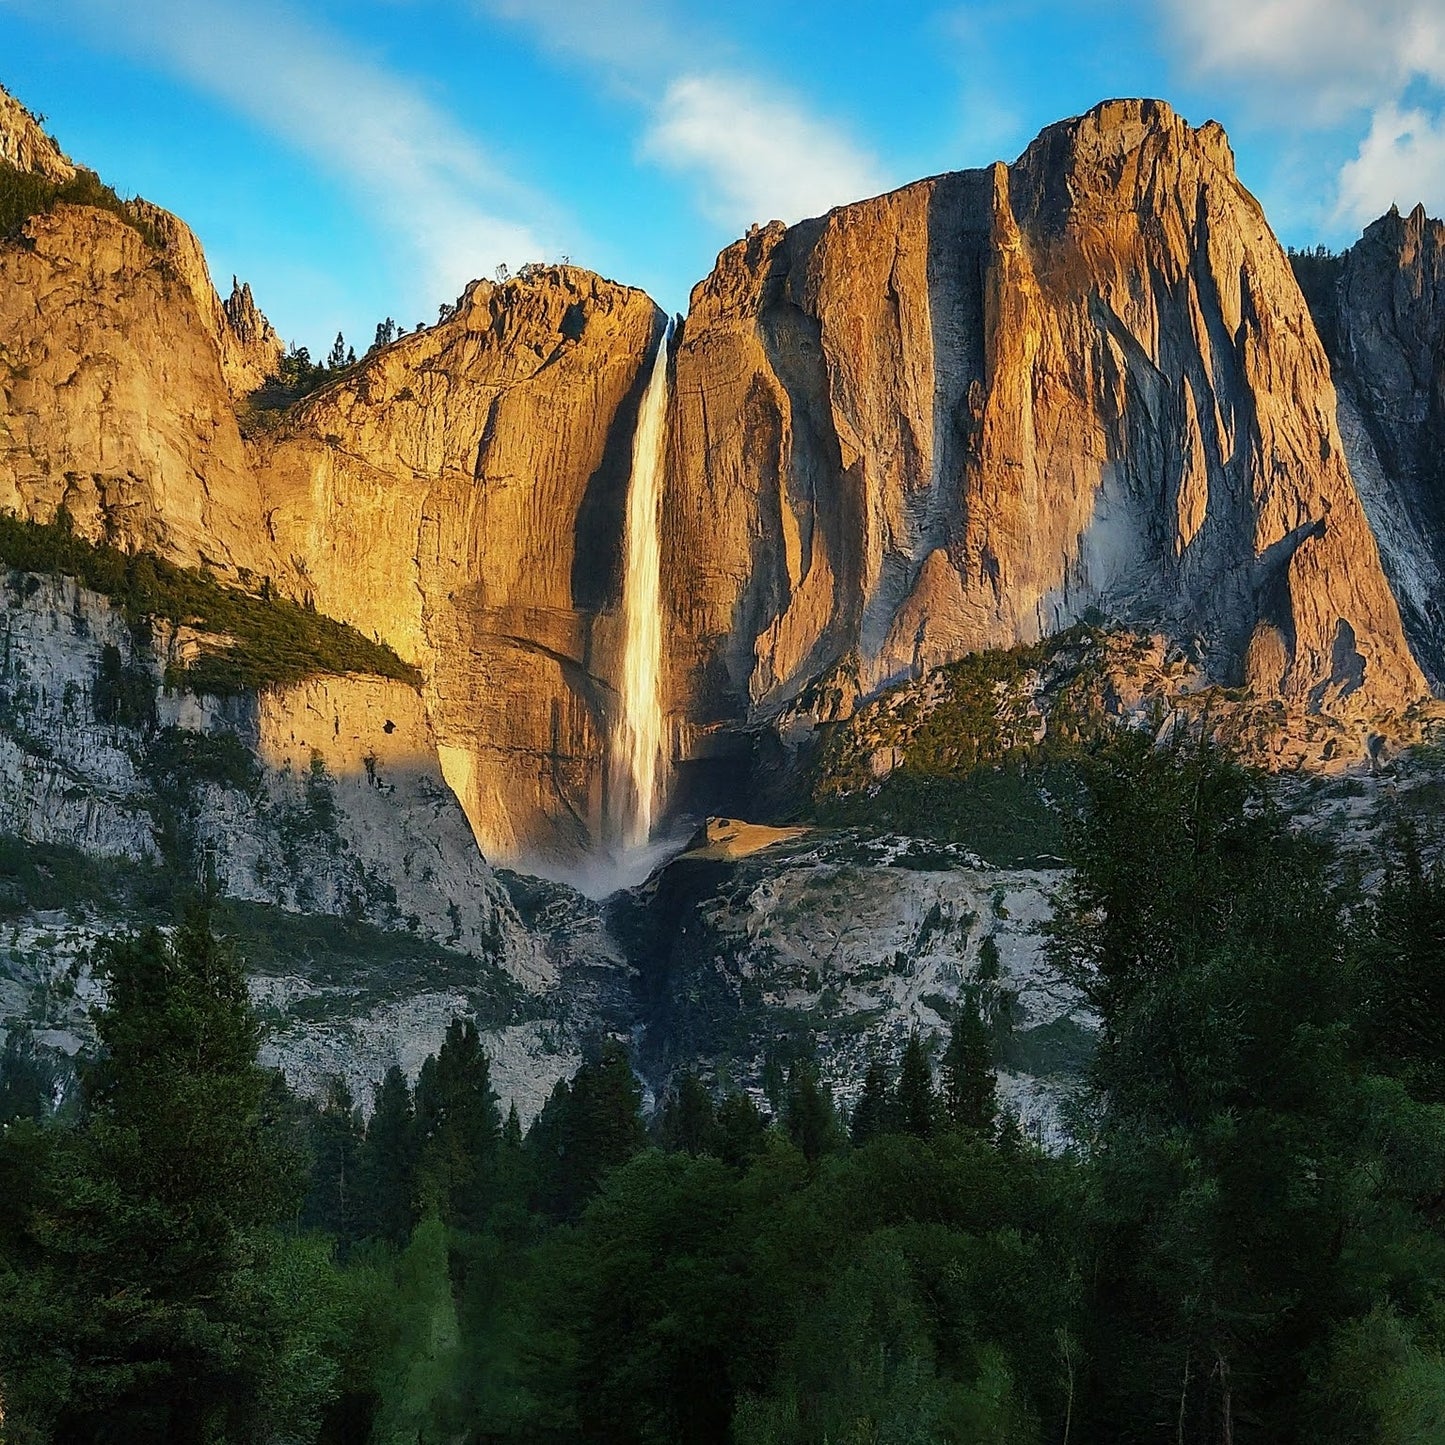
{"x":597,"y":537}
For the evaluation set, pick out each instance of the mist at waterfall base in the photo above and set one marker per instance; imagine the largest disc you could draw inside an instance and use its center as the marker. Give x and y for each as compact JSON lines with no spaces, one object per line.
{"x":604,"y":874}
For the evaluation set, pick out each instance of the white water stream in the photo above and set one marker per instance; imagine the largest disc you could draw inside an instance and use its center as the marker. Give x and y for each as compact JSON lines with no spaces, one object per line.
{"x":638,"y":745}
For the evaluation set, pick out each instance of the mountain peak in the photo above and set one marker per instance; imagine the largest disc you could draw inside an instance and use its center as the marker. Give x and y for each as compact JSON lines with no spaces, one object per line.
{"x":1116,"y":128}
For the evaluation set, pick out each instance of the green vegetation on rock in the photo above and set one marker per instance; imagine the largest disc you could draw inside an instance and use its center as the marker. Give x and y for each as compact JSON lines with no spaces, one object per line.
{"x":24,"y":194}
{"x":981,"y":752}
{"x":296,"y":378}
{"x":981,"y":711}
{"x":262,"y":640}
{"x":46,"y":877}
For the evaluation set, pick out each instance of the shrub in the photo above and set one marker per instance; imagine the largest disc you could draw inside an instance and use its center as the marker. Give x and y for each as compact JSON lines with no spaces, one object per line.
{"x":24,"y":194}
{"x":123,"y":692}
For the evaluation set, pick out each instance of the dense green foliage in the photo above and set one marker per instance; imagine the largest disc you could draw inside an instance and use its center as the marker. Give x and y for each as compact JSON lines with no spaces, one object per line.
{"x":1007,"y":813}
{"x":45,"y":877}
{"x":977,"y":711}
{"x":267,"y":640}
{"x":24,"y":194}
{"x":978,"y":761}
{"x":296,"y":378}
{"x":1248,"y":1244}
{"x":145,"y":1288}
{"x":1259,"y":1187}
{"x":1318,"y":270}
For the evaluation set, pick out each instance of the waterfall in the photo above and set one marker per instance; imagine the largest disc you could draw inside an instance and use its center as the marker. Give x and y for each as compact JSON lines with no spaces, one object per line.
{"x":638,"y":745}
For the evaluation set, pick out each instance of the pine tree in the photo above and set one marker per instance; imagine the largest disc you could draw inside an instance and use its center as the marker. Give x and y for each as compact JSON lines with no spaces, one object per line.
{"x":989,"y":966}
{"x":970,"y":1094}
{"x":742,"y":1130}
{"x":458,"y":1123}
{"x":689,"y":1120}
{"x":545,"y":1149}
{"x":917,"y":1106}
{"x":334,"y":1201}
{"x":808,"y":1113}
{"x":1403,"y":973}
{"x":337,"y":359}
{"x":151,"y":1238}
{"x":512,"y":1180}
{"x":604,"y":1121}
{"x":512,"y":1128}
{"x":388,"y":1163}
{"x":584,"y":1131}
{"x":873,"y":1115}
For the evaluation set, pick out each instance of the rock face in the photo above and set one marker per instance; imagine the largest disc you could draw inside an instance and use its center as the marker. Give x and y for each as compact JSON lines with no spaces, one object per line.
{"x":1385,"y":322}
{"x":362,"y":905}
{"x":25,"y":145}
{"x":964,"y":414}
{"x":859,"y":940}
{"x":113,"y":393}
{"x":461,"y":495}
{"x":972,"y":411}
{"x":322,"y":798}
{"x":119,"y":369}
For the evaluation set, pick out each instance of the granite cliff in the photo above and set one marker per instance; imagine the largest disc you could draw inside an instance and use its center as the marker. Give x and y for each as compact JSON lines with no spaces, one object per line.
{"x":1381,"y":312}
{"x":460,"y":494}
{"x":115,"y":354}
{"x":964,"y":414}
{"x":27,"y":146}
{"x":1081,"y":389}
{"x":973,"y":411}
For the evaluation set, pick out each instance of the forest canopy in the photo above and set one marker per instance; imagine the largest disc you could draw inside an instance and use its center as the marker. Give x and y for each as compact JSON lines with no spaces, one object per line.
{"x":1246,"y":1242}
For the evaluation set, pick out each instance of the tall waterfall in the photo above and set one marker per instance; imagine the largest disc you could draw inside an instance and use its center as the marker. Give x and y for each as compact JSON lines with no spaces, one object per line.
{"x":638,"y":751}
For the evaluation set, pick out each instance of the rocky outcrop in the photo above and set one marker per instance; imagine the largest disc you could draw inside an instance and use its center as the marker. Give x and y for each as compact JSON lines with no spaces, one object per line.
{"x":251,"y":350}
{"x":119,"y":366}
{"x":460,"y":494}
{"x":113,"y":394}
{"x":321,"y":798}
{"x":857,"y":942}
{"x":25,"y":144}
{"x":1385,"y":320}
{"x":973,"y":411}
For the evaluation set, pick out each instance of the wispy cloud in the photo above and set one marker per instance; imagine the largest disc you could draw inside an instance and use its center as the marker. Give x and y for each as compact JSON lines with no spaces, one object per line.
{"x":1312,"y":65}
{"x":633,"y":40}
{"x":758,"y":155}
{"x":427,"y":182}
{"x":1337,"y":52}
{"x":751,"y":149}
{"x":1401,"y":161}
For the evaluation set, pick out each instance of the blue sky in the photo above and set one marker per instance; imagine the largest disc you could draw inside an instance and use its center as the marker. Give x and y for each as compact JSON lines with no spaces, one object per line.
{"x":359,"y":158}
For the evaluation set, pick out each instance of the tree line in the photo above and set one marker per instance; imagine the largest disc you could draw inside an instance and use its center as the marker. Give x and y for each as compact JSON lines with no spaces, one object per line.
{"x":1246,"y":1243}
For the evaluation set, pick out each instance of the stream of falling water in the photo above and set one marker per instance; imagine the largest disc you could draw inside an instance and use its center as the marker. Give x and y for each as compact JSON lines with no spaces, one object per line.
{"x":639,"y":757}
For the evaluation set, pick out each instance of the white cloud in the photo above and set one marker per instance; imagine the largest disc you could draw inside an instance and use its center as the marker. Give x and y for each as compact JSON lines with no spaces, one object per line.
{"x":751,"y":150}
{"x":423,"y":178}
{"x":1318,"y":65}
{"x":1401,"y":161}
{"x":760,"y":156}
{"x":631,"y":39}
{"x":1330,"y":52}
